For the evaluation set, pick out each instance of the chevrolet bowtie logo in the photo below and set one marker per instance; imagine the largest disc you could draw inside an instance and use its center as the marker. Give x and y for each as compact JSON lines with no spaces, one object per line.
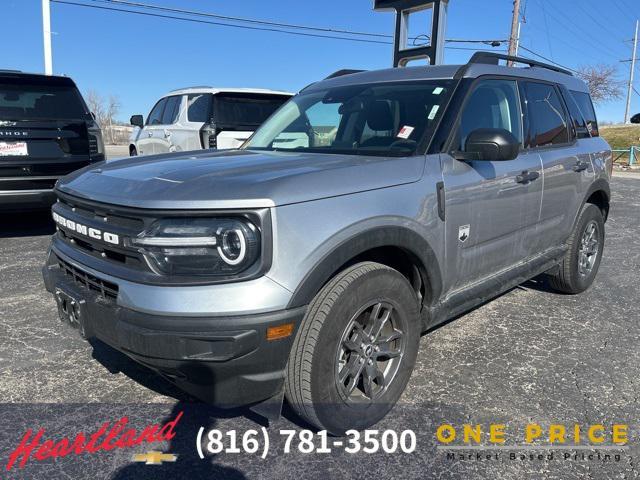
{"x":154,"y":458}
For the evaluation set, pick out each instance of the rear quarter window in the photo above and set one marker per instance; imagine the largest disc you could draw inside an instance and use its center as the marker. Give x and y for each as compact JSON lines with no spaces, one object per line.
{"x":586,"y":107}
{"x":199,"y":107}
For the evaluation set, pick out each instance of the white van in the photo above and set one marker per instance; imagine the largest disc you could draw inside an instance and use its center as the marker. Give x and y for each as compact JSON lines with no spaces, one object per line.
{"x":203,"y":117}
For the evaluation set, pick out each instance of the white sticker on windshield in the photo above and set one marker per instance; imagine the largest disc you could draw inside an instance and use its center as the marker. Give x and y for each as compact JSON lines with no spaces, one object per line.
{"x":437,"y":90}
{"x":405,"y":132}
{"x":433,"y":112}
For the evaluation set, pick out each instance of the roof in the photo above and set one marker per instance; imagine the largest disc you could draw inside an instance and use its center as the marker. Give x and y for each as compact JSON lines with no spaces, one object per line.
{"x":217,"y":90}
{"x":444,"y":72}
{"x":37,"y":77}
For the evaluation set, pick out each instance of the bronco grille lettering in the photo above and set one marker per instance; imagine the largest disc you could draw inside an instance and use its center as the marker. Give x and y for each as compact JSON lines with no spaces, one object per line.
{"x":85,"y":230}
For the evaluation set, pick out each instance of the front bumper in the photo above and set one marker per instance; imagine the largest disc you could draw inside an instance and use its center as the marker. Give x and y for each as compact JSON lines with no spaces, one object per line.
{"x":226,"y":361}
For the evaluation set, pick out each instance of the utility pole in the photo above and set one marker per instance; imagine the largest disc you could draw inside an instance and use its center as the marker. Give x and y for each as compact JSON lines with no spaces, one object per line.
{"x":46,"y":33}
{"x":627,"y":112}
{"x":514,"y":39}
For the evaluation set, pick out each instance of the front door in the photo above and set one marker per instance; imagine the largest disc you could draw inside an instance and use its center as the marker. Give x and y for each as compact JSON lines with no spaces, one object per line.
{"x":488,"y":204}
{"x":165,"y":135}
{"x":147,"y":138}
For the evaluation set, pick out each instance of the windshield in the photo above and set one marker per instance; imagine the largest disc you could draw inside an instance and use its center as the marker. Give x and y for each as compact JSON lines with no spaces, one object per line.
{"x":378,"y":119}
{"x":20,"y":100}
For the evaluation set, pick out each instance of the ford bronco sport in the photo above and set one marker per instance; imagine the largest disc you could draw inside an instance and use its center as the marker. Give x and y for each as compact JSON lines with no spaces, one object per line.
{"x":310,"y":269}
{"x":46,"y":132}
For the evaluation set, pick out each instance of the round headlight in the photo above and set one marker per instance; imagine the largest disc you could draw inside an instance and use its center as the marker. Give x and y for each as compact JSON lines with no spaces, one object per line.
{"x":234,"y":246}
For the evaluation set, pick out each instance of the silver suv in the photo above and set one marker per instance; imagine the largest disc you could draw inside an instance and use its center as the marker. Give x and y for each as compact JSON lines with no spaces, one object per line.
{"x":370,"y":208}
{"x":203,"y":117}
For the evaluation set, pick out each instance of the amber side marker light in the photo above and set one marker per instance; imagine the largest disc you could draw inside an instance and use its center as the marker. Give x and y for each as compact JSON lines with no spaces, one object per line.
{"x":279,"y":331}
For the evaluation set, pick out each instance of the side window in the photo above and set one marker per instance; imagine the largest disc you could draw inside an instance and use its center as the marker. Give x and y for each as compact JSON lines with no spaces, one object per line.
{"x":586,"y":107}
{"x":155,"y":117}
{"x":492,"y":104}
{"x":171,"y":110}
{"x":318,"y":128}
{"x":577,"y":118}
{"x":547,"y":120}
{"x":324,"y":119}
{"x":199,"y":107}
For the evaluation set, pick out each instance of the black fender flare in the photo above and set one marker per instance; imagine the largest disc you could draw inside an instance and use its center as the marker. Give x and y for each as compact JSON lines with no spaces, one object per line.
{"x":599,"y":185}
{"x":385,"y":236}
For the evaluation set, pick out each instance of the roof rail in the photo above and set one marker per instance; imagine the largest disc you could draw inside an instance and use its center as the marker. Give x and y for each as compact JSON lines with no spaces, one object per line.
{"x":344,"y":71}
{"x":3,"y":70}
{"x":195,"y":86}
{"x":493,"y":58}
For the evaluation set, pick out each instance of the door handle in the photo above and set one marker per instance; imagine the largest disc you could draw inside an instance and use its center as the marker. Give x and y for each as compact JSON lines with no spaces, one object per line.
{"x":580,"y":166}
{"x":150,"y":134}
{"x":527,"y":176}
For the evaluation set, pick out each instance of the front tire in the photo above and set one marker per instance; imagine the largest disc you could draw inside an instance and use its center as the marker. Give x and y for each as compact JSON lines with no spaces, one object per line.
{"x":355,"y":350}
{"x":580,"y":264}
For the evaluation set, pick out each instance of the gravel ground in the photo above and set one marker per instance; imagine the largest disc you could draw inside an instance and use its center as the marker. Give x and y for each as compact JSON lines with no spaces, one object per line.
{"x":528,"y":356}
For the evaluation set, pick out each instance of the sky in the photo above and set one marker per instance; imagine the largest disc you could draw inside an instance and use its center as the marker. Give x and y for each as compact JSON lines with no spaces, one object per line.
{"x":139,"y":58}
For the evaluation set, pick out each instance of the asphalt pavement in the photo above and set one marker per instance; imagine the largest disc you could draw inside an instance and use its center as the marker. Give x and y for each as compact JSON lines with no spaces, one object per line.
{"x":530,"y":355}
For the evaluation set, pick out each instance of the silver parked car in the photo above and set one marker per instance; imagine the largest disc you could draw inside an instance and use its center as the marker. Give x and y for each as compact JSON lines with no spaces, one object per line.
{"x":370,"y":208}
{"x":203,"y":117}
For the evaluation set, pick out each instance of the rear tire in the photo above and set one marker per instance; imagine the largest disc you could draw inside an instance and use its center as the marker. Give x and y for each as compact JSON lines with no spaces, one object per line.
{"x":580,"y":264}
{"x":355,"y":350}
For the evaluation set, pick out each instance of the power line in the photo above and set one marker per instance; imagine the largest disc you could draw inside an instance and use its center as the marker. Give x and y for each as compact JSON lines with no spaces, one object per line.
{"x":271,"y":23}
{"x":277,"y":27}
{"x":240,"y":19}
{"x":549,"y":60}
{"x":571,"y":25}
{"x":221,"y":24}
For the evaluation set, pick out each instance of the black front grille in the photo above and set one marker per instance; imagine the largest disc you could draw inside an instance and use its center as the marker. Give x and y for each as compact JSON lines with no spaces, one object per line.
{"x":106,"y":289}
{"x":105,"y":218}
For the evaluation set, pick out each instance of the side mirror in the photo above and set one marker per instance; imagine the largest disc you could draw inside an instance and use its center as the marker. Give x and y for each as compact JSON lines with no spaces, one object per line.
{"x":635,"y":118}
{"x":490,"y":144}
{"x":137,"y":121}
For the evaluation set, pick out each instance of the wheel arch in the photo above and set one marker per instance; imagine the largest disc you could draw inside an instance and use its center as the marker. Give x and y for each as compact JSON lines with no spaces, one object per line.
{"x":599,"y":194}
{"x":398,"y":247}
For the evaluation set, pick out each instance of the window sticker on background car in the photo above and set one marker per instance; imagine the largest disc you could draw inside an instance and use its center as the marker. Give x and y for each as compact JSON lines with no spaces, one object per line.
{"x":433,"y":112}
{"x":437,"y":90}
{"x":405,"y":132}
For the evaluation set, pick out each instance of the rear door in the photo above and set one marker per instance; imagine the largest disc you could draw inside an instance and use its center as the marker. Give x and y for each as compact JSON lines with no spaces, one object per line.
{"x":150,"y":134}
{"x":487,"y":207}
{"x":552,"y":138}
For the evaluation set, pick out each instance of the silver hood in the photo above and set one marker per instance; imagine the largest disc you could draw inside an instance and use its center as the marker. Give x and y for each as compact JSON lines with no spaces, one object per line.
{"x":236,"y":178}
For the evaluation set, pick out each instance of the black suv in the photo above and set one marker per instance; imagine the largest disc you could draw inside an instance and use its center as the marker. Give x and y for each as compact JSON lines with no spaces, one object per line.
{"x":46,"y":132}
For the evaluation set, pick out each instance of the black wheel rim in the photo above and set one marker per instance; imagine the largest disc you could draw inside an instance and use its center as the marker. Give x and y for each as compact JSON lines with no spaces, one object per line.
{"x":370,"y":352}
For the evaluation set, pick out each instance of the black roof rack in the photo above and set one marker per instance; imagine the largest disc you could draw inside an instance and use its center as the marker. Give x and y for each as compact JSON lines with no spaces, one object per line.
{"x":344,"y":71}
{"x":6,"y":70}
{"x":493,"y":58}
